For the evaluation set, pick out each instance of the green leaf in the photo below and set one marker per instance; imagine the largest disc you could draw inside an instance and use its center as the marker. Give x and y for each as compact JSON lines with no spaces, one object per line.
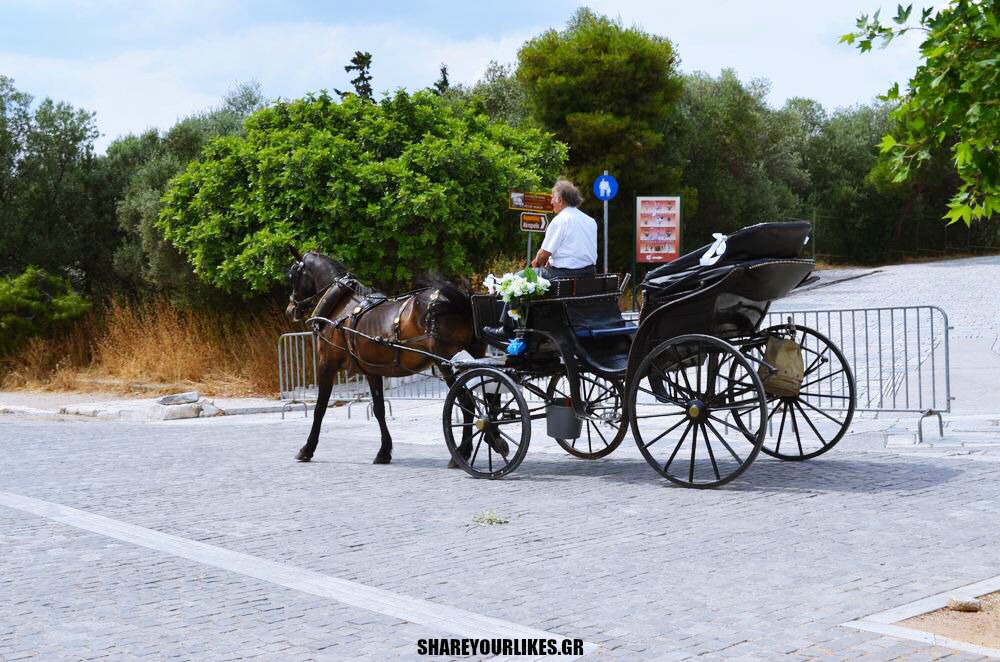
{"x":888,"y":142}
{"x":847,"y":38}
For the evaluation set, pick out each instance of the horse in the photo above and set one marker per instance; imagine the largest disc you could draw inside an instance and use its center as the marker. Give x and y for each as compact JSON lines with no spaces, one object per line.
{"x":364,"y":332}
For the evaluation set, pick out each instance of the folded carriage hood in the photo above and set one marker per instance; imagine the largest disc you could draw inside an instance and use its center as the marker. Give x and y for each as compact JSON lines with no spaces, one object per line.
{"x":784,"y":240}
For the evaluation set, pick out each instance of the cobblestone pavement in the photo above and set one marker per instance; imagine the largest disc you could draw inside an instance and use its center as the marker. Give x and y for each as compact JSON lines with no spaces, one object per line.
{"x":770,"y":565}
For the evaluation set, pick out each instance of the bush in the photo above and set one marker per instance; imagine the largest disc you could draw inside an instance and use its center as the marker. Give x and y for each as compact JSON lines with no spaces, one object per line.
{"x":389,"y":188}
{"x":36,"y":304}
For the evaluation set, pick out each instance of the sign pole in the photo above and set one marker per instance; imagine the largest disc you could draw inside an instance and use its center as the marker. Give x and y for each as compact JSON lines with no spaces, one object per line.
{"x":529,"y":248}
{"x":605,"y":232}
{"x":635,"y":244}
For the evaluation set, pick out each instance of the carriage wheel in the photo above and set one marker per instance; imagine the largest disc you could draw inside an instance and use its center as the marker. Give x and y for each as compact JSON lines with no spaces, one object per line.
{"x":804,"y":426}
{"x":490,"y":405}
{"x":604,"y":399}
{"x":678,"y":400}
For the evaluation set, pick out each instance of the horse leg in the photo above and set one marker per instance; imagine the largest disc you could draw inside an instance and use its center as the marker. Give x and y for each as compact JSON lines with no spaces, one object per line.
{"x":322,"y":400}
{"x":384,"y":455}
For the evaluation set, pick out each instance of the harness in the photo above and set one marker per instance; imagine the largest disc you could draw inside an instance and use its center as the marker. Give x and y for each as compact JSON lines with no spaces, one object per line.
{"x":347,"y":322}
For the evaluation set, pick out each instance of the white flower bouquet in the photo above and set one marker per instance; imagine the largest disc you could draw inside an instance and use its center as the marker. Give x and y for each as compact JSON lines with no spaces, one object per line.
{"x":516,"y":289}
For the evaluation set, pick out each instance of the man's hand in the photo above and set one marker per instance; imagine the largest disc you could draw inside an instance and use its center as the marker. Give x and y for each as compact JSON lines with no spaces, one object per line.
{"x":541,"y":259}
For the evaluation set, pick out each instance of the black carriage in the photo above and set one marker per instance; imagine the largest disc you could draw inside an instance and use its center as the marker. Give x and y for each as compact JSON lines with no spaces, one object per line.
{"x":702,"y":386}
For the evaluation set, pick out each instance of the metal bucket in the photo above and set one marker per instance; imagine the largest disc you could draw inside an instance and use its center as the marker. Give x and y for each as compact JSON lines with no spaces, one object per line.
{"x":561,"y":421}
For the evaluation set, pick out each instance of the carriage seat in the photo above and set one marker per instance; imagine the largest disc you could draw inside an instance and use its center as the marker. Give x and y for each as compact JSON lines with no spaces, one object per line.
{"x":624,"y":328}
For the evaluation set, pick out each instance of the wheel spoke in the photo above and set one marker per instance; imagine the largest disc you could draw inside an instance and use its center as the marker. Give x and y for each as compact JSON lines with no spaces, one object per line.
{"x":711,"y":455}
{"x":662,"y":397}
{"x":665,"y":433}
{"x":598,"y":431}
{"x":822,"y":439}
{"x":728,"y":425}
{"x":795,"y":429}
{"x":509,"y":438}
{"x":724,"y":443}
{"x":673,"y":413}
{"x":820,"y":411}
{"x":507,"y":421}
{"x":817,"y":362}
{"x":674,"y":384}
{"x":741,"y":404}
{"x":694,"y":443}
{"x":784,"y":413}
{"x":677,"y":447}
{"x":825,"y":377}
{"x":462,"y":407}
{"x":472,"y":461}
{"x":826,"y":395}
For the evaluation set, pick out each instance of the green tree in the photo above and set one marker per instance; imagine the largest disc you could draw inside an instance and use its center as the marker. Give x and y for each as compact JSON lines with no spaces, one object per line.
{"x":606,"y":91}
{"x":953,"y":100}
{"x":389,"y":188}
{"x":361,"y":63}
{"x":35,"y":303}
{"x":144,"y":260}
{"x":741,"y":160}
{"x":441,"y":85}
{"x":55,"y":210}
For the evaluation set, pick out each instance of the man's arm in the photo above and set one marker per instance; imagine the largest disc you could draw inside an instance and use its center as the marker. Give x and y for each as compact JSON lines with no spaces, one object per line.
{"x":541,"y":258}
{"x":553,"y":237}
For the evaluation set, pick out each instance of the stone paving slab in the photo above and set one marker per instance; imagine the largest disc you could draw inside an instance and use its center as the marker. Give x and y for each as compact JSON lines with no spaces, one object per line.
{"x":770,"y":565}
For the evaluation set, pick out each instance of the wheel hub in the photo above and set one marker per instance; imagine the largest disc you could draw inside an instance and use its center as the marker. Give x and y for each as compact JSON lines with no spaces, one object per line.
{"x":481,"y":424}
{"x":696,"y":409}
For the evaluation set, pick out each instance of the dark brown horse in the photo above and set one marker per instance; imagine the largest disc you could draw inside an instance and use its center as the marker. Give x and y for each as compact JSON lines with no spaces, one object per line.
{"x":362,"y":331}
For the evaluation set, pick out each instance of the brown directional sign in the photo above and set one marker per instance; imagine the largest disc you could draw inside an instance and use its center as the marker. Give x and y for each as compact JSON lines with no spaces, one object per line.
{"x":533,"y":222}
{"x":522,"y":201}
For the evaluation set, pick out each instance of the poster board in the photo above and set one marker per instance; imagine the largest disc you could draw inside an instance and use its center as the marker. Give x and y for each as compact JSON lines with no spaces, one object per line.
{"x":657,"y":228}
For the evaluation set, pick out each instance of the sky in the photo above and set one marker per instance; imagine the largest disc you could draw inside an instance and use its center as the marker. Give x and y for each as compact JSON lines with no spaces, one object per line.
{"x":141,"y":64}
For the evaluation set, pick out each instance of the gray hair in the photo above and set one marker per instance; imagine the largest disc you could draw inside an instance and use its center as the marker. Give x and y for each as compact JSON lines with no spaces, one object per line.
{"x":568,"y":193}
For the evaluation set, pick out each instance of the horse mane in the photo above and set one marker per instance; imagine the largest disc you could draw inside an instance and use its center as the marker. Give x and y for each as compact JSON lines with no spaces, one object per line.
{"x":452,"y":300}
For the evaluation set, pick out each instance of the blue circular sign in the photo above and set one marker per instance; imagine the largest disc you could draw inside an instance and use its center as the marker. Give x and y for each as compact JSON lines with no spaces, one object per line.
{"x":605,"y":187}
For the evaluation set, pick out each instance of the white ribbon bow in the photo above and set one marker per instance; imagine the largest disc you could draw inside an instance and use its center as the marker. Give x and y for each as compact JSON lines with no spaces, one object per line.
{"x":715,"y":251}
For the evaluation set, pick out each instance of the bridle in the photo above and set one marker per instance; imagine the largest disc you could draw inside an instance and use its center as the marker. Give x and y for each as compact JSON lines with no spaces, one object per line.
{"x":302,"y":306}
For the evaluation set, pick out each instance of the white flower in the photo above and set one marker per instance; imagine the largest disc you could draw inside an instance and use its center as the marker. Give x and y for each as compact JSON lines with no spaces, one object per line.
{"x":491,"y":284}
{"x":514,"y":313}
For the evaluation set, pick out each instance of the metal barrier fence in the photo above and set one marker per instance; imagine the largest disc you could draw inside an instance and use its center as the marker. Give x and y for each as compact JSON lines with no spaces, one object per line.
{"x":898,"y":355}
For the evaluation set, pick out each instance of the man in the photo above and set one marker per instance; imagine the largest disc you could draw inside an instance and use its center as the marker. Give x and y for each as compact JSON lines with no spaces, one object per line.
{"x":569,"y":249}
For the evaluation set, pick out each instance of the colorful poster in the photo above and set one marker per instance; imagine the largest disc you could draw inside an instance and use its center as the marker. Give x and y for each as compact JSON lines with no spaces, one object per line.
{"x":657,"y":228}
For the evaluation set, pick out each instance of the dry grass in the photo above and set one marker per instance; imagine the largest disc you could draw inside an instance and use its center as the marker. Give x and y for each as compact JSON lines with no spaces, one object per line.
{"x":156,"y":346}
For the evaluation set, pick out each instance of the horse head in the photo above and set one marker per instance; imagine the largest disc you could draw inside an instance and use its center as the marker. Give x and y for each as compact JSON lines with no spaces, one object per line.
{"x":310,"y":276}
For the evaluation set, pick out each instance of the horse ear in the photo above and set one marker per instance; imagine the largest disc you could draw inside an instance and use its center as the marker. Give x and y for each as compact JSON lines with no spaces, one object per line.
{"x":297,"y":255}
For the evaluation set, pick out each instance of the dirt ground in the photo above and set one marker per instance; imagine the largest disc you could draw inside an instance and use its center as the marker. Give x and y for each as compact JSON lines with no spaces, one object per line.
{"x":981,"y":628}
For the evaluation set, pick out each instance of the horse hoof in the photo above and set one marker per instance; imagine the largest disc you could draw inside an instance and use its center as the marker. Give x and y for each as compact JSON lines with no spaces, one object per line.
{"x":302,"y":457}
{"x":452,"y":465}
{"x":382,"y":459}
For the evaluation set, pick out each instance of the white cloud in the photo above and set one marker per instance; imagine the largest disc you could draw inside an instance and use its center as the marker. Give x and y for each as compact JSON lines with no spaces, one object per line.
{"x":139,"y":88}
{"x":197,"y":55}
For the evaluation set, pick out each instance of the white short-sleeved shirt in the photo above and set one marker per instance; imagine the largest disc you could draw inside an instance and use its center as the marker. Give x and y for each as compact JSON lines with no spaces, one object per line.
{"x":572,"y":239}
